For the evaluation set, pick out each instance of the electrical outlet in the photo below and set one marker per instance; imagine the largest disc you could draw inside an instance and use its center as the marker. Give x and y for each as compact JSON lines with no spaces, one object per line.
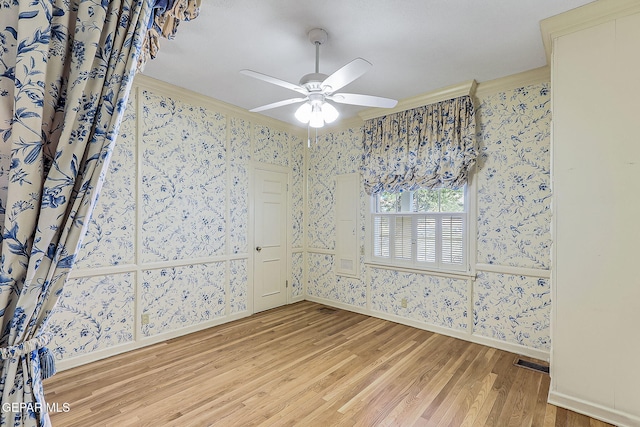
{"x":404,"y":303}
{"x":145,"y":319}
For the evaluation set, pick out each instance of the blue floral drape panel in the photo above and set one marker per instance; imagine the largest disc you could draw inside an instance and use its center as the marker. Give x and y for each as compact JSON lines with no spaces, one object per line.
{"x":66,"y":69}
{"x":426,"y":147}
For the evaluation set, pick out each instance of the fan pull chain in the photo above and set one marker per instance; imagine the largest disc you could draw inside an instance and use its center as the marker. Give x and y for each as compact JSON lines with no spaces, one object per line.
{"x":309,"y":136}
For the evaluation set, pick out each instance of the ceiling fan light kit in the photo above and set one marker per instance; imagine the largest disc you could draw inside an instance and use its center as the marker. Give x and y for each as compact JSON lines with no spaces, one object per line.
{"x":318,"y":89}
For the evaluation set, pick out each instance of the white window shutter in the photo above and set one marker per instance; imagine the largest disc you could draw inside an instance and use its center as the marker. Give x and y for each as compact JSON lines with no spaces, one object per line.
{"x":426,"y":240}
{"x":402,"y":238}
{"x":381,"y":236}
{"x":453,"y":244}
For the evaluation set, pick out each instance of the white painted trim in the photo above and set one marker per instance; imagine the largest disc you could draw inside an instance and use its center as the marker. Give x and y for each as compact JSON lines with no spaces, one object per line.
{"x":342,"y":125}
{"x":185,"y":262}
{"x":466,"y":336}
{"x":443,"y":94}
{"x":470,"y":304}
{"x":305,"y":218}
{"x":128,"y":268}
{"x":138,"y":303}
{"x":73,"y":362}
{"x":593,"y":410}
{"x":103,"y":271}
{"x":321,"y":251}
{"x":437,"y":273}
{"x":471,"y":198}
{"x":516,"y":271}
{"x":586,"y":16}
{"x":227,"y":215}
{"x":514,"y":81}
{"x":186,"y":95}
{"x":289,"y":227}
{"x":250,"y":217}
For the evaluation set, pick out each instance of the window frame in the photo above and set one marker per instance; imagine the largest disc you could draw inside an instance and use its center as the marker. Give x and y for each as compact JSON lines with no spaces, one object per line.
{"x":465,"y":268}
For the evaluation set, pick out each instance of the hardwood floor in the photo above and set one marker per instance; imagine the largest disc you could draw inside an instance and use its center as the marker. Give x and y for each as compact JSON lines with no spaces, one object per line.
{"x":308,"y":365}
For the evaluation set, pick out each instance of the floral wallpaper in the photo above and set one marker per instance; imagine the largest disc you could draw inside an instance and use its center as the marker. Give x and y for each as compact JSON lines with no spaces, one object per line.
{"x":239,"y":155}
{"x":183,"y":180}
{"x":321,"y":187}
{"x":434,"y":300}
{"x":320,"y":277}
{"x":110,"y":237}
{"x":513,"y":308}
{"x":349,"y":152}
{"x":93,"y":313}
{"x":271,"y":146}
{"x":193,"y":186}
{"x":297,"y":275}
{"x":323,"y":283}
{"x":514,"y":190}
{"x":238,"y":286}
{"x":178,"y":297}
{"x":297,"y":195}
{"x":187,"y":179}
{"x":513,"y":217}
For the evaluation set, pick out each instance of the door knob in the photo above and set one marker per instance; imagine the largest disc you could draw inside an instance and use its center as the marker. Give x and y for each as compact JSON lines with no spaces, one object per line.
{"x":258,"y":248}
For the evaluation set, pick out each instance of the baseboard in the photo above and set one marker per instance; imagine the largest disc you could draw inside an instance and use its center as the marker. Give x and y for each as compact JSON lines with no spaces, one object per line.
{"x":84,"y":359}
{"x":74,"y":362}
{"x":593,"y":410}
{"x":463,"y":335}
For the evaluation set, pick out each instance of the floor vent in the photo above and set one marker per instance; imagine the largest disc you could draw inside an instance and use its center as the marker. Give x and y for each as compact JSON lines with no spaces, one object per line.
{"x":327,"y":310}
{"x":532,"y":365}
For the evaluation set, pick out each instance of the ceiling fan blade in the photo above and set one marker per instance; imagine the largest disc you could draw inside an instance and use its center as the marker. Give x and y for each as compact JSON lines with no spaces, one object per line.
{"x":364,"y":100}
{"x":274,"y":81}
{"x":278,"y":104}
{"x":346,"y":75}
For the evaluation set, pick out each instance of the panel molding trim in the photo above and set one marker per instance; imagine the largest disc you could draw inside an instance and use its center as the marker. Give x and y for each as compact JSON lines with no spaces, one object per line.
{"x":516,"y":271}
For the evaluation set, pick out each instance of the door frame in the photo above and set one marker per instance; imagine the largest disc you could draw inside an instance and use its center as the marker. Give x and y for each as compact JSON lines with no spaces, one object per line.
{"x":253,"y":167}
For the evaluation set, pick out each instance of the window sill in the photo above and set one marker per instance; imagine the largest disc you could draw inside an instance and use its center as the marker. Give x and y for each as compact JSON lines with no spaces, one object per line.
{"x":454,"y":274}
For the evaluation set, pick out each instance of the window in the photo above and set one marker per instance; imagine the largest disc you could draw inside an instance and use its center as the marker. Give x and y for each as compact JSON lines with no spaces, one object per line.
{"x":425,"y":229}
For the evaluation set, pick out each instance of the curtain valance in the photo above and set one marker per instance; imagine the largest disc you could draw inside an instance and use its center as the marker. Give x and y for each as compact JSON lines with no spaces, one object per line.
{"x":426,"y":147}
{"x":166,"y":17}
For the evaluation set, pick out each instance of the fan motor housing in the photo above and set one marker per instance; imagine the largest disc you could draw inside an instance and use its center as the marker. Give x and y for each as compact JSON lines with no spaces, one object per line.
{"x":312,"y":81}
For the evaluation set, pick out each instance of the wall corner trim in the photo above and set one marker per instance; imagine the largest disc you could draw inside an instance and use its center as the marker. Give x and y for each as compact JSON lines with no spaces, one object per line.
{"x":582,"y":17}
{"x":196,"y":98}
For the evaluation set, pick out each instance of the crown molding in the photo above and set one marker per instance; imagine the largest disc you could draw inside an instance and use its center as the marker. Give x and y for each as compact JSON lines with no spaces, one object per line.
{"x":586,"y":16}
{"x":514,"y":81}
{"x":186,"y":95}
{"x":345,"y":124}
{"x":444,"y":94}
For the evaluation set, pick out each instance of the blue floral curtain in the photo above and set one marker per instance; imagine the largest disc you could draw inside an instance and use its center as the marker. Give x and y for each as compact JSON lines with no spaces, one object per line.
{"x":66,"y":68}
{"x":426,"y":147}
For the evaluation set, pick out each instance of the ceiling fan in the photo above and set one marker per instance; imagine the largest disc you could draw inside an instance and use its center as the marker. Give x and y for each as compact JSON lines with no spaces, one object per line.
{"x":319,"y":89}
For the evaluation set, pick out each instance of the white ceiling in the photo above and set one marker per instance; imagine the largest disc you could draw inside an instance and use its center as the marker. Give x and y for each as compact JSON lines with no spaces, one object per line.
{"x":416,"y":46}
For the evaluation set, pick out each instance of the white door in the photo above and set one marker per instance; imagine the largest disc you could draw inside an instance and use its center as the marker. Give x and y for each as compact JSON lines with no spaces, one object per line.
{"x":270,"y":231}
